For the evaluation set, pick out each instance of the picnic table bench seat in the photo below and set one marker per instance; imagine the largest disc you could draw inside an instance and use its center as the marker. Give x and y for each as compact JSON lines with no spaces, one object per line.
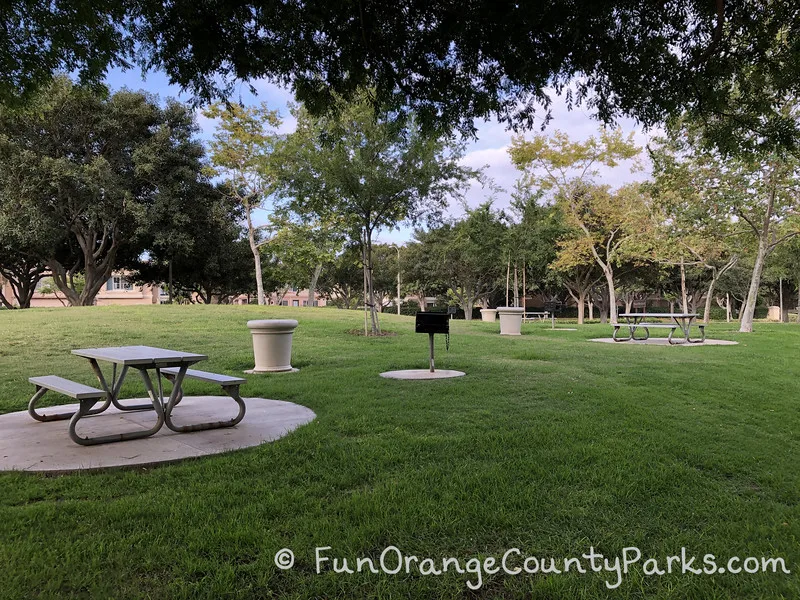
{"x":67,"y":387}
{"x":223,"y":380}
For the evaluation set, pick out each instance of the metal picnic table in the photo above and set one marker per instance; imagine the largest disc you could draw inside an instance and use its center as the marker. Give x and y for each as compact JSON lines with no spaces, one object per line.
{"x":682,"y":321}
{"x":142,"y":359}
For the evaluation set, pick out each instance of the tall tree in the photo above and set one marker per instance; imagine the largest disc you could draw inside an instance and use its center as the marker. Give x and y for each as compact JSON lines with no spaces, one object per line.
{"x":26,"y":240}
{"x":342,"y":283}
{"x":422,"y":273}
{"x":305,"y":247}
{"x":374,"y":171}
{"x":535,"y":227}
{"x":240,"y":151}
{"x":687,"y":231}
{"x":470,"y":254}
{"x":91,"y":165}
{"x":756,"y":192}
{"x":609,"y":227}
{"x":580,"y":274}
{"x":209,"y":261}
{"x":569,"y":169}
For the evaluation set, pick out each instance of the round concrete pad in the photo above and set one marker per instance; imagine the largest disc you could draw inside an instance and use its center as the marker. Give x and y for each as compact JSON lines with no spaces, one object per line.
{"x":28,"y":445}
{"x":664,"y":342}
{"x":422,"y":374}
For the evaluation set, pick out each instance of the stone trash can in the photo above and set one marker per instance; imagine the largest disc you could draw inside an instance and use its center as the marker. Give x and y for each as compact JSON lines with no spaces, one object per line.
{"x":272,"y":345}
{"x":489,"y":315}
{"x":510,"y":320}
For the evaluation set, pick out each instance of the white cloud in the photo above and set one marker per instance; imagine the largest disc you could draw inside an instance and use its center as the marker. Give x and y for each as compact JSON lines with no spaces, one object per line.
{"x":490,"y":150}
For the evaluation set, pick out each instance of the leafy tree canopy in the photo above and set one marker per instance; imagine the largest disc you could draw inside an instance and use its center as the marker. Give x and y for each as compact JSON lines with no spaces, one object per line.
{"x":448,"y":62}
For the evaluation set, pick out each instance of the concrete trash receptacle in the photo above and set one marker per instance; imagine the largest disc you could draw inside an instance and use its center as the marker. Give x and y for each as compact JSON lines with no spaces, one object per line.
{"x":489,"y":315}
{"x":272,"y":345}
{"x":510,"y":320}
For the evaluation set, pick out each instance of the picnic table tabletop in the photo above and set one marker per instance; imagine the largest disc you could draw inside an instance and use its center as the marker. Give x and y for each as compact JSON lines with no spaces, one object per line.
{"x":140,"y":356}
{"x":662,"y":315}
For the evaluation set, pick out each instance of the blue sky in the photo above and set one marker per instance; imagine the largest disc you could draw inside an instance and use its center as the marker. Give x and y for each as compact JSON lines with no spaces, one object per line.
{"x":489,"y":151}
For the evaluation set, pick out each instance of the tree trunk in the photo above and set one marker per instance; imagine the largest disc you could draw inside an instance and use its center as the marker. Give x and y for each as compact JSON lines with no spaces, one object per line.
{"x":169,"y":290}
{"x":508,"y":275}
{"x":64,"y":281}
{"x":581,"y":308}
{"x":784,"y":312}
{"x":375,"y":328}
{"x":312,"y":287}
{"x":603,"y":315}
{"x":22,"y":280}
{"x":422,"y":302}
{"x":715,"y":275}
{"x":684,"y":302}
{"x":251,"y":236}
{"x":524,"y":288}
{"x":752,"y":294}
{"x":591,"y":309}
{"x":580,"y":301}
{"x":612,"y":296}
{"x":469,"y":303}
{"x":516,"y":287}
{"x":748,"y":311}
{"x":709,"y":296}
{"x":727,"y":308}
{"x":601,"y":301}
{"x":364,"y":269}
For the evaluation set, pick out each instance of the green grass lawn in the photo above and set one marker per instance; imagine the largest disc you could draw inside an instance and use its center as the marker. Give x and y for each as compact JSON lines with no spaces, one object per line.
{"x":550,"y":444}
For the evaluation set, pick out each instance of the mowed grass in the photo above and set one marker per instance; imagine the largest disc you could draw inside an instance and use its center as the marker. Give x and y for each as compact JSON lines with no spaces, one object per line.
{"x":550,"y":444}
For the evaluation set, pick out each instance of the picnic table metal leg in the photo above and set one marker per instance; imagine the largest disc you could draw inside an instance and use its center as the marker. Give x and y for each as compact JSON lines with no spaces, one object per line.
{"x":634,"y":326}
{"x":171,"y":379}
{"x":680,"y":322}
{"x":116,"y":386}
{"x":177,"y":394}
{"x":702,"y":334}
{"x":669,"y":338}
{"x":616,"y":331}
{"x":85,"y":406}
{"x":40,"y":391}
{"x":233,"y":392}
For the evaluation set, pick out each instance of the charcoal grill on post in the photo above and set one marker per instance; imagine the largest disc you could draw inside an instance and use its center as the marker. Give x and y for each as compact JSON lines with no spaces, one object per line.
{"x":552,"y":306}
{"x":433,"y":323}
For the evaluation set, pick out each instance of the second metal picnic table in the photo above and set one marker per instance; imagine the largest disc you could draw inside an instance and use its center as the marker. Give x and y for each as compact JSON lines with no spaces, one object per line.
{"x":682,"y":321}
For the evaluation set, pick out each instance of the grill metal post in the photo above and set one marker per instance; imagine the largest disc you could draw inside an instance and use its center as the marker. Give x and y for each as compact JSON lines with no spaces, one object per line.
{"x":430,"y":338}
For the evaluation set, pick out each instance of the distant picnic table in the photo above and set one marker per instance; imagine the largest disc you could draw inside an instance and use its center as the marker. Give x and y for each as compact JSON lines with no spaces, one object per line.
{"x":531,"y":315}
{"x":682,"y":321}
